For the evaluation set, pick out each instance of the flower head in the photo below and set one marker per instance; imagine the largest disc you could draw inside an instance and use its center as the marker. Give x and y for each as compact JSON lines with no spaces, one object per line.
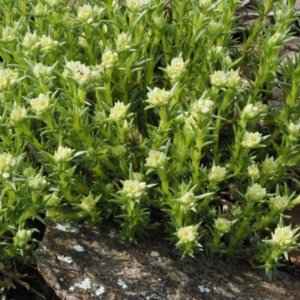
{"x":123,"y":42}
{"x":251,"y":139}
{"x":47,"y":44}
{"x":30,"y":41}
{"x":283,"y":237}
{"x":253,"y":171}
{"x":269,"y":166}
{"x":88,"y":203}
{"x":40,"y":104}
{"x":187,"y":234}
{"x":176,"y":68}
{"x":203,"y":106}
{"x":118,"y":112}
{"x":156,"y":159}
{"x":37,"y":182}
{"x":158,"y":97}
{"x":222,"y":225}
{"x":255,"y":193}
{"x":279,"y":203}
{"x":218,"y":79}
{"x":133,"y":189}
{"x":18,"y":113}
{"x":109,"y":59}
{"x":63,"y":154}
{"x":233,"y":79}
{"x":217,"y":174}
{"x":22,"y":237}
{"x":7,"y":164}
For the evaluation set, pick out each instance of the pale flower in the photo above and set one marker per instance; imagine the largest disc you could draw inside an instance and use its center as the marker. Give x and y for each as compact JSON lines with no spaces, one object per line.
{"x":85,"y":13}
{"x":41,"y":71}
{"x":118,"y":112}
{"x":205,"y":4}
{"x":233,"y":79}
{"x":187,"y":234}
{"x":133,"y":189}
{"x":81,"y":73}
{"x":63,"y":154}
{"x":136,"y":5}
{"x":54,"y":3}
{"x":18,"y":113}
{"x":47,"y":44}
{"x":251,"y":139}
{"x":203,"y":106}
{"x":176,"y":68}
{"x":217,"y":174}
{"x":158,"y":97}
{"x":283,"y":236}
{"x":8,"y":34}
{"x":255,"y":193}
{"x":37,"y":182}
{"x":269,"y":166}
{"x":218,"y":79}
{"x":188,"y":198}
{"x":222,"y":225}
{"x":109,"y":59}
{"x":294,"y":130}
{"x":88,"y":203}
{"x":253,"y":171}
{"x":30,"y":41}
{"x":123,"y":41}
{"x":7,"y":163}
{"x":279,"y":203}
{"x":21,"y":238}
{"x":40,"y":104}
{"x":156,"y":159}
{"x":39,"y":10}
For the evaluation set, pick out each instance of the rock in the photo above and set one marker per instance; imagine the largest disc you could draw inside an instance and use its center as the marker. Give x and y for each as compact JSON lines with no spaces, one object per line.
{"x":89,"y":263}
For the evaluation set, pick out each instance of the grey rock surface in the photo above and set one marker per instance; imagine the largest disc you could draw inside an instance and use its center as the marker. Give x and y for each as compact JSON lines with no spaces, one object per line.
{"x":89,"y":263}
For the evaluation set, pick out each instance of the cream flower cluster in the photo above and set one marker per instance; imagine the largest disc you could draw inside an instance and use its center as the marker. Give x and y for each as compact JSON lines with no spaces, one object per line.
{"x":269,"y":166}
{"x":123,"y":42}
{"x":40,"y":104}
{"x":30,"y":41}
{"x":217,"y":174}
{"x":87,"y":13}
{"x":283,"y":236}
{"x":203,"y":106}
{"x":158,"y":97}
{"x":8,"y":78}
{"x":279,"y":203}
{"x":133,"y":189}
{"x":176,"y":68}
{"x":109,"y":59}
{"x":54,"y":3}
{"x":253,"y":172}
{"x":82,"y":74}
{"x":222,"y":225}
{"x":251,"y":139}
{"x":118,"y":112}
{"x":41,"y":71}
{"x":47,"y":44}
{"x":156,"y":159}
{"x":187,"y":234}
{"x":22,"y":236}
{"x":136,"y":5}
{"x":63,"y":154}
{"x":255,"y":193}
{"x":18,"y":113}
{"x":37,"y":182}
{"x":88,"y":203}
{"x":7,"y":163}
{"x":230,"y":79}
{"x":9,"y":34}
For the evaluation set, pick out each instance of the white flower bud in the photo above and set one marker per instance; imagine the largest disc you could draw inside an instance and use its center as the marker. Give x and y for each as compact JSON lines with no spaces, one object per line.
{"x":37,"y":182}
{"x":47,"y":44}
{"x":123,"y":42}
{"x":109,"y":59}
{"x":63,"y":154}
{"x":40,"y":104}
{"x":283,"y":237}
{"x":18,"y":113}
{"x":269,"y":166}
{"x":251,"y":139}
{"x":118,"y":112}
{"x":156,"y":159}
{"x":255,"y":193}
{"x":253,"y":172}
{"x":187,"y":234}
{"x":217,"y":174}
{"x":279,"y":203}
{"x":133,"y":189}
{"x":222,"y":225}
{"x":7,"y":164}
{"x":218,"y":79}
{"x":22,"y":237}
{"x":176,"y":68}
{"x":233,"y":79}
{"x":158,"y":97}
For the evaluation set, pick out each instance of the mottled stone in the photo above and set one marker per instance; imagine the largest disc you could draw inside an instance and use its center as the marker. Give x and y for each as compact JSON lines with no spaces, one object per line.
{"x":108,"y":269}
